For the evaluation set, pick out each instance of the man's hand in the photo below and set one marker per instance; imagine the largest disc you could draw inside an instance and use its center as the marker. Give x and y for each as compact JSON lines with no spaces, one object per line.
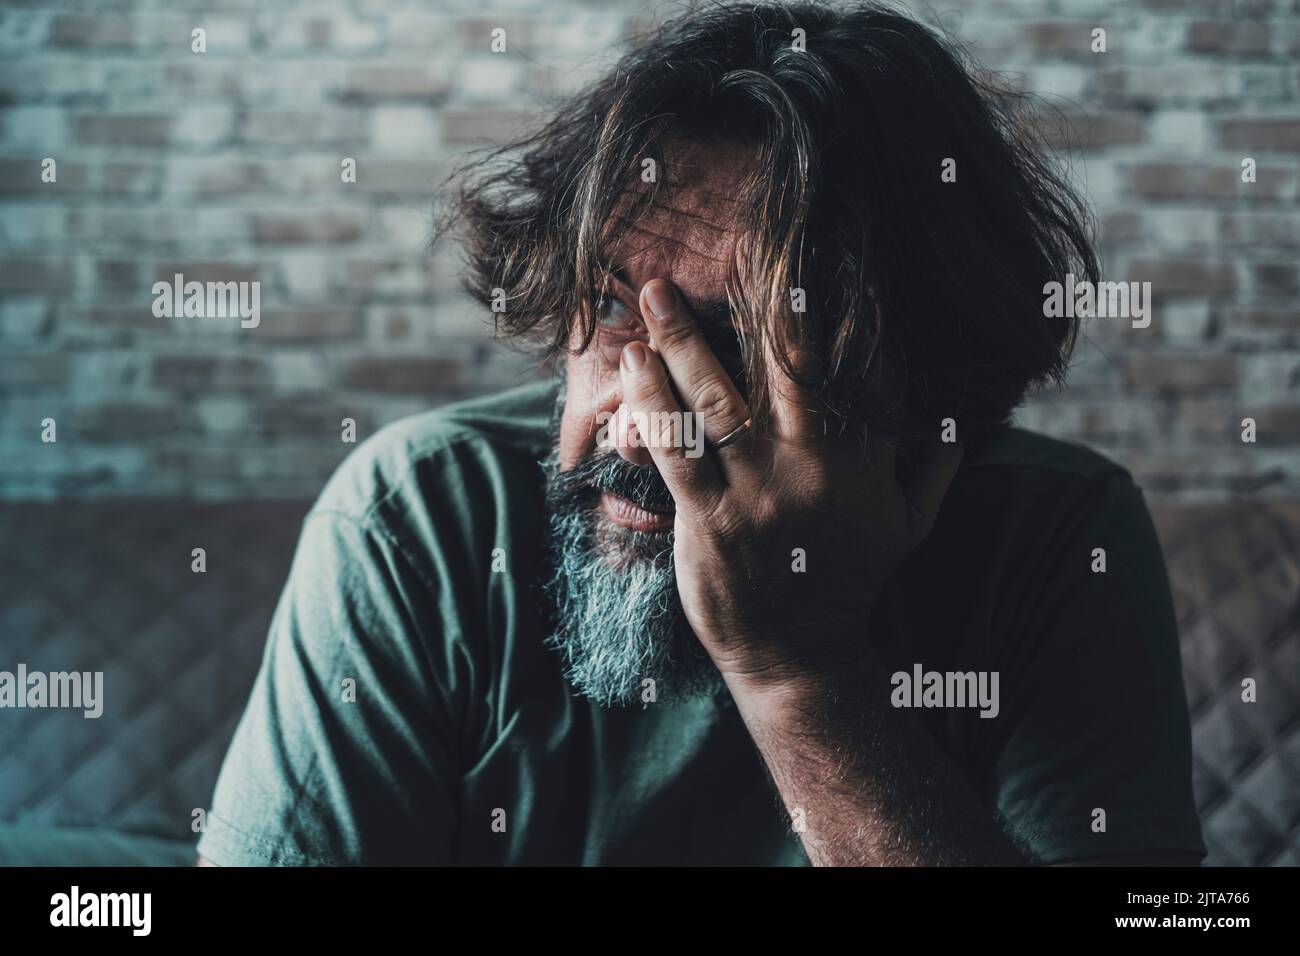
{"x":782,"y":539}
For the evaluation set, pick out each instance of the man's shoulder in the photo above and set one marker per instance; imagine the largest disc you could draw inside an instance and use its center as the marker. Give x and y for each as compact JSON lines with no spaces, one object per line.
{"x":1032,"y":452}
{"x":464,"y":444}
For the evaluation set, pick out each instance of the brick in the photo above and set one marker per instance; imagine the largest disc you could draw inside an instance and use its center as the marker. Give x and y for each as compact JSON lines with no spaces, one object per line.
{"x":1183,"y":181}
{"x":1269,"y":376}
{"x":395,"y":81}
{"x":32,"y":226}
{"x":34,"y":275}
{"x":1186,"y":321}
{"x":281,"y":323}
{"x":399,"y":374}
{"x":1169,"y":85}
{"x":23,"y":177}
{"x":54,"y":78}
{"x":25,"y":321}
{"x":203,"y":127}
{"x":404,"y":129}
{"x":489,"y":78}
{"x":113,"y":421}
{"x":129,"y":179}
{"x":1233,"y":37}
{"x":1184,"y":7}
{"x":1268,"y":319}
{"x":474,"y":34}
{"x":1275,"y":424}
{"x":399,"y":177}
{"x":340,"y":127}
{"x":32,"y":371}
{"x":1151,"y":371}
{"x":335,"y":30}
{"x":300,"y":371}
{"x":1183,"y":276}
{"x":307,"y":228}
{"x":302,"y":420}
{"x":221,"y":176}
{"x":1179,"y":132}
{"x":473,"y":127}
{"x":207,"y":271}
{"x":1116,"y":421}
{"x":1121,"y":226}
{"x":1275,"y":279}
{"x":186,"y":372}
{"x":1216,"y":420}
{"x":94,"y":32}
{"x":144,"y":130}
{"x":1271,"y":182}
{"x":368,"y":278}
{"x":30,"y":129}
{"x":1074,"y":129}
{"x":1280,"y":135}
{"x":110,"y":319}
{"x":123,"y":277}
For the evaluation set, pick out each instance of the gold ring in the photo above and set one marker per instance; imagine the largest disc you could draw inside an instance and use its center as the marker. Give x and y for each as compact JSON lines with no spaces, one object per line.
{"x":727,"y":439}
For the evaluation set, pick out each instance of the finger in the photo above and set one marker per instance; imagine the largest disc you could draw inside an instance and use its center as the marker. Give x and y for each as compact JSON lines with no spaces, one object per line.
{"x":700,"y":379}
{"x":695,"y":484}
{"x":795,"y":420}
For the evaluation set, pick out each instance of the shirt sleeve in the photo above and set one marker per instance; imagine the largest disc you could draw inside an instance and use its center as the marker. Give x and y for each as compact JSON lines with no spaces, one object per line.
{"x":345,"y":754}
{"x":1097,"y":758}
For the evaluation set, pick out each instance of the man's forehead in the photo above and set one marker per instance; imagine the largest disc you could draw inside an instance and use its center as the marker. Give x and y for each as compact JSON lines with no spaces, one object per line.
{"x":687,"y":232}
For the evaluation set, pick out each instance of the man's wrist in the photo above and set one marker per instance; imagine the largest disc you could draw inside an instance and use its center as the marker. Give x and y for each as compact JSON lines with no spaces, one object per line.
{"x":788,"y":690}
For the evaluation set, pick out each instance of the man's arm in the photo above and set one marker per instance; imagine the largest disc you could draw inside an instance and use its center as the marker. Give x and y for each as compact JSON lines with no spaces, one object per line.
{"x":1100,"y":725}
{"x":345,"y":753}
{"x":1091,"y":764}
{"x":865,"y":784}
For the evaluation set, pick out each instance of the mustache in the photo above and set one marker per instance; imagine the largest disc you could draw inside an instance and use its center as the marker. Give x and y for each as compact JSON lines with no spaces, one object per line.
{"x":608,"y":471}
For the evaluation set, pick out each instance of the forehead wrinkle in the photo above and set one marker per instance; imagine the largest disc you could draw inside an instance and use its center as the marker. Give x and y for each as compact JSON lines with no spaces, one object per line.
{"x":657,"y":240}
{"x":696,"y":198}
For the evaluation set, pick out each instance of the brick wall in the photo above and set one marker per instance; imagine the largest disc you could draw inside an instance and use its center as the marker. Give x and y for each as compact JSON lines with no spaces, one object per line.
{"x":225,"y":165}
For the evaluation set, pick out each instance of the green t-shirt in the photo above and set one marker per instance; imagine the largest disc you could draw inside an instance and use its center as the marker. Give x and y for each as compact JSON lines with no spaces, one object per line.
{"x":408,"y":710}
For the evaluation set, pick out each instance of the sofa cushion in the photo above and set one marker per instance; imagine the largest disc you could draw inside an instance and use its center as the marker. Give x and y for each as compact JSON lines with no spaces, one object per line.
{"x":1235,"y":575}
{"x":109,"y":586}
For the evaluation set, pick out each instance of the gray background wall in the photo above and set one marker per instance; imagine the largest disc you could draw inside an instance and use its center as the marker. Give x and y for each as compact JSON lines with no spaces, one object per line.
{"x":225,"y":165}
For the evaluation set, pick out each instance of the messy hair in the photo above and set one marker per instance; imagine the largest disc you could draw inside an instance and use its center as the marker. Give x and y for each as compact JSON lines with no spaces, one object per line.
{"x":922,"y":297}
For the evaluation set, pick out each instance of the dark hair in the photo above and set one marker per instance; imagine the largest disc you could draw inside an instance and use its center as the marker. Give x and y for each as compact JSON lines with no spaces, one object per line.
{"x":924,"y":298}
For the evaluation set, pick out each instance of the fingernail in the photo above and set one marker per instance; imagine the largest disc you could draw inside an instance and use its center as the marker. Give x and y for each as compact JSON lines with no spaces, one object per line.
{"x":633,"y":356}
{"x":661,"y":299}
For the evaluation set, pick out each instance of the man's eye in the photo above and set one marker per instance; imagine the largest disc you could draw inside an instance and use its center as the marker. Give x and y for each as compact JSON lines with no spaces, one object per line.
{"x":612,"y":314}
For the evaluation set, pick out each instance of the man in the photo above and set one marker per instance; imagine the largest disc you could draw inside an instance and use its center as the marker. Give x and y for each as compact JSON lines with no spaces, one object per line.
{"x":865,"y":622}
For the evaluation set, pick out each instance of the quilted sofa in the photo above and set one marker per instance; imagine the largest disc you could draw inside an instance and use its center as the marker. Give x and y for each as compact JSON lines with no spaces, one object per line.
{"x":108,"y":585}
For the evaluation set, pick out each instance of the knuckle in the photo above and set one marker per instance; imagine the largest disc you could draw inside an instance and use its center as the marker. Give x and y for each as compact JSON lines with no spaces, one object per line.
{"x":651,"y":385}
{"x":676,"y":332}
{"x":721,"y":521}
{"x":717,"y":404}
{"x":813,"y":492}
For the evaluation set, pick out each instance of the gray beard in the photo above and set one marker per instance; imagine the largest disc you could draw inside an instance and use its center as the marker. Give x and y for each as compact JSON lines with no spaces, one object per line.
{"x":618,"y":619}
